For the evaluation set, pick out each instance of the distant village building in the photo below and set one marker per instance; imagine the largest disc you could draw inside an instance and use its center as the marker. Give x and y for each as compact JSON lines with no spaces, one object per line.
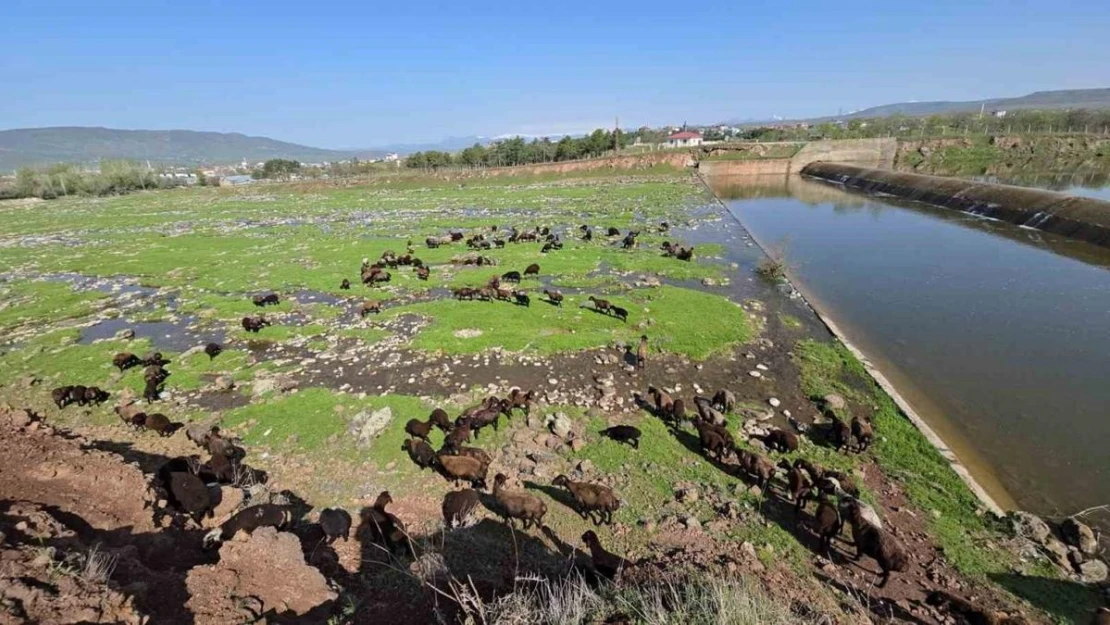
{"x":234,"y":181}
{"x":683,"y":139}
{"x":998,"y":113}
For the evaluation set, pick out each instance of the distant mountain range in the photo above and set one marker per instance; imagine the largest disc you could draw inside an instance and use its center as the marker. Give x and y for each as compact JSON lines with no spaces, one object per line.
{"x":1064,"y":99}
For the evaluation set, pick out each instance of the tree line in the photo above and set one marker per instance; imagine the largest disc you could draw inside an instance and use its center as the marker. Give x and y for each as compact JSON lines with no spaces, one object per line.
{"x":518,"y":151}
{"x":114,"y":177}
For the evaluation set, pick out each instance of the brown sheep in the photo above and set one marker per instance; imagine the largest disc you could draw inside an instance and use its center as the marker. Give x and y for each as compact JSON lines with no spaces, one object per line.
{"x":161,"y":424}
{"x":664,"y":405}
{"x":95,"y":396}
{"x":463,"y":469}
{"x":254,"y":324}
{"x":370,"y":307}
{"x":269,"y":299}
{"x":798,"y":484}
{"x":600,"y":305}
{"x":712,"y":443}
{"x":887,"y":550}
{"x":757,"y":466}
{"x":458,"y":435}
{"x":156,"y":374}
{"x":152,"y":391}
{"x":421,"y":452}
{"x":532,"y":270}
{"x":678,"y":411}
{"x":554,"y":297}
{"x":827,"y":524}
{"x":473,"y":452}
{"x":419,"y":429}
{"x":607,"y":564}
{"x":641,"y":352}
{"x":724,"y":400}
{"x":422,"y":272}
{"x":518,"y":399}
{"x":863,"y":433}
{"x":513,"y":504}
{"x":781,"y":440}
{"x":458,"y":506}
{"x":839,"y":432}
{"x":590,"y":499}
{"x":707,"y":412}
{"x":125,"y":360}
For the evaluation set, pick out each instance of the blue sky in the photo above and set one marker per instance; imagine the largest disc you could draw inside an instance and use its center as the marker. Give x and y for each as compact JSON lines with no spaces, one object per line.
{"x":363,"y":73}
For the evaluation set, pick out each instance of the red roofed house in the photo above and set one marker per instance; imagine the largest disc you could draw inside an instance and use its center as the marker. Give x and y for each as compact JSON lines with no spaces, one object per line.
{"x":685,"y":138}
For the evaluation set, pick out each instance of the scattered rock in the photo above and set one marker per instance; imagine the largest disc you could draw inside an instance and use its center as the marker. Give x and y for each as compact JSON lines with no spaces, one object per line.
{"x":755,"y":374}
{"x":834,"y":402}
{"x":28,"y":381}
{"x":125,"y":334}
{"x":775,"y":403}
{"x":1093,"y":571}
{"x":686,"y":493}
{"x":367,"y":425}
{"x":559,"y":424}
{"x":224,"y":383}
{"x":229,"y":499}
{"x":692,"y":522}
{"x":468,"y":333}
{"x":267,"y":567}
{"x":1079,"y":535}
{"x":577,"y":444}
{"x":1030,"y":526}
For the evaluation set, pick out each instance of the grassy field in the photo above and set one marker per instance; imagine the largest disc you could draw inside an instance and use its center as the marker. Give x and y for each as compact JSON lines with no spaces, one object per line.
{"x":186,"y":262}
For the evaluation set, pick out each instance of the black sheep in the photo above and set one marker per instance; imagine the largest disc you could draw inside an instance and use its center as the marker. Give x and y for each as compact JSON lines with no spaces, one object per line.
{"x":60,"y":396}
{"x":269,"y":299}
{"x":641,"y":352}
{"x":619,"y":313}
{"x":345,"y":285}
{"x":863,"y":433}
{"x":458,"y":506}
{"x":383,"y":527}
{"x":188,"y":493}
{"x":77,"y":394}
{"x":781,"y":440}
{"x":612,"y":232}
{"x":522,"y":299}
{"x":336,"y":523}
{"x":624,"y":434}
{"x":213,"y":350}
{"x":94,"y":395}
{"x":248,"y":520}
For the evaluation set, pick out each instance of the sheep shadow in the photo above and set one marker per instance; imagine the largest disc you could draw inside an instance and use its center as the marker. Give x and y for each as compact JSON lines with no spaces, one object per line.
{"x":560,"y":495}
{"x":881,"y":609}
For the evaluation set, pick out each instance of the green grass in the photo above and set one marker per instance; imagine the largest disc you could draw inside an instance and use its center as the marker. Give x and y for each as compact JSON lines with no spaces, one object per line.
{"x":968,"y":536}
{"x":42,"y":303}
{"x":664,"y":314}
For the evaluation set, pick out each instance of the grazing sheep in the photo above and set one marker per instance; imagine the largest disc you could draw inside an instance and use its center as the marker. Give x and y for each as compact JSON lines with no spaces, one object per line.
{"x":629,"y":240}
{"x":125,"y":360}
{"x":589,"y":235}
{"x":684,"y":253}
{"x":641,"y":352}
{"x":95,"y":396}
{"x":265,"y":300}
{"x":607,"y":564}
{"x":156,"y":374}
{"x":874,"y":541}
{"x":518,"y":399}
{"x":600,"y":305}
{"x":473,"y":452}
{"x":464,"y":292}
{"x":840,"y":433}
{"x":60,"y":396}
{"x":798,"y":484}
{"x":624,"y":434}
{"x":678,"y":411}
{"x":521,"y":298}
{"x":712,"y":442}
{"x":485,"y":417}
{"x":248,"y":520}
{"x":161,"y":424}
{"x":590,"y":499}
{"x":421,"y":452}
{"x":154,"y":359}
{"x":781,"y":440}
{"x":827,"y":524}
{"x":513,"y":504}
{"x":370,"y":307}
{"x":532,"y":270}
{"x":707,"y":412}
{"x":757,"y":466}
{"x":458,"y":435}
{"x":254,"y":324}
{"x":664,"y":405}
{"x":619,"y":313}
{"x":458,"y":506}
{"x":863,"y":433}
{"x":554,"y":297}
{"x":511,"y":276}
{"x":77,"y":394}
{"x":422,"y":273}
{"x":213,"y":350}
{"x":612,"y":232}
{"x":724,"y":400}
{"x":188,"y":493}
{"x":152,"y":391}
{"x":345,"y":285}
{"x":336,"y":523}
{"x":463,"y":469}
{"x":421,"y":429}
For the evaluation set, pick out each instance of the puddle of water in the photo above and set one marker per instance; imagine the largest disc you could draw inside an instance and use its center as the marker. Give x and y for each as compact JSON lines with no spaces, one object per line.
{"x":168,"y":336}
{"x":1005,"y":343}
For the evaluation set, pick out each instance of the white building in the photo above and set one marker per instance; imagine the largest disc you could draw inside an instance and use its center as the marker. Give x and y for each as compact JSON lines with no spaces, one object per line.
{"x":683,"y":139}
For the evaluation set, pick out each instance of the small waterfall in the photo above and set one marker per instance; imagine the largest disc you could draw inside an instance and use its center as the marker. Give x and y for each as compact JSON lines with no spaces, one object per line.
{"x":1037,"y":220}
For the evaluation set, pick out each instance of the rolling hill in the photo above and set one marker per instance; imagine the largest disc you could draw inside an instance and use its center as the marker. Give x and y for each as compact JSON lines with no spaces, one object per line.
{"x":39,"y":146}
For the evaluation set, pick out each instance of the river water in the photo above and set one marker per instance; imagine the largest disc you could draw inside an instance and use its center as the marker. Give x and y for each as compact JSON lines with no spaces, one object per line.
{"x":998,"y":336}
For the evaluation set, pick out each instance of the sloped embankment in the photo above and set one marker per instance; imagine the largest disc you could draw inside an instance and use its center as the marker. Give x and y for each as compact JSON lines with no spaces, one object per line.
{"x":1083,"y":219}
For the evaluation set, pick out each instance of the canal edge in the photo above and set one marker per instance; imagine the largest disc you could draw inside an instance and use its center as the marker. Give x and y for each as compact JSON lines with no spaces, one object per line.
{"x":877,"y":375}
